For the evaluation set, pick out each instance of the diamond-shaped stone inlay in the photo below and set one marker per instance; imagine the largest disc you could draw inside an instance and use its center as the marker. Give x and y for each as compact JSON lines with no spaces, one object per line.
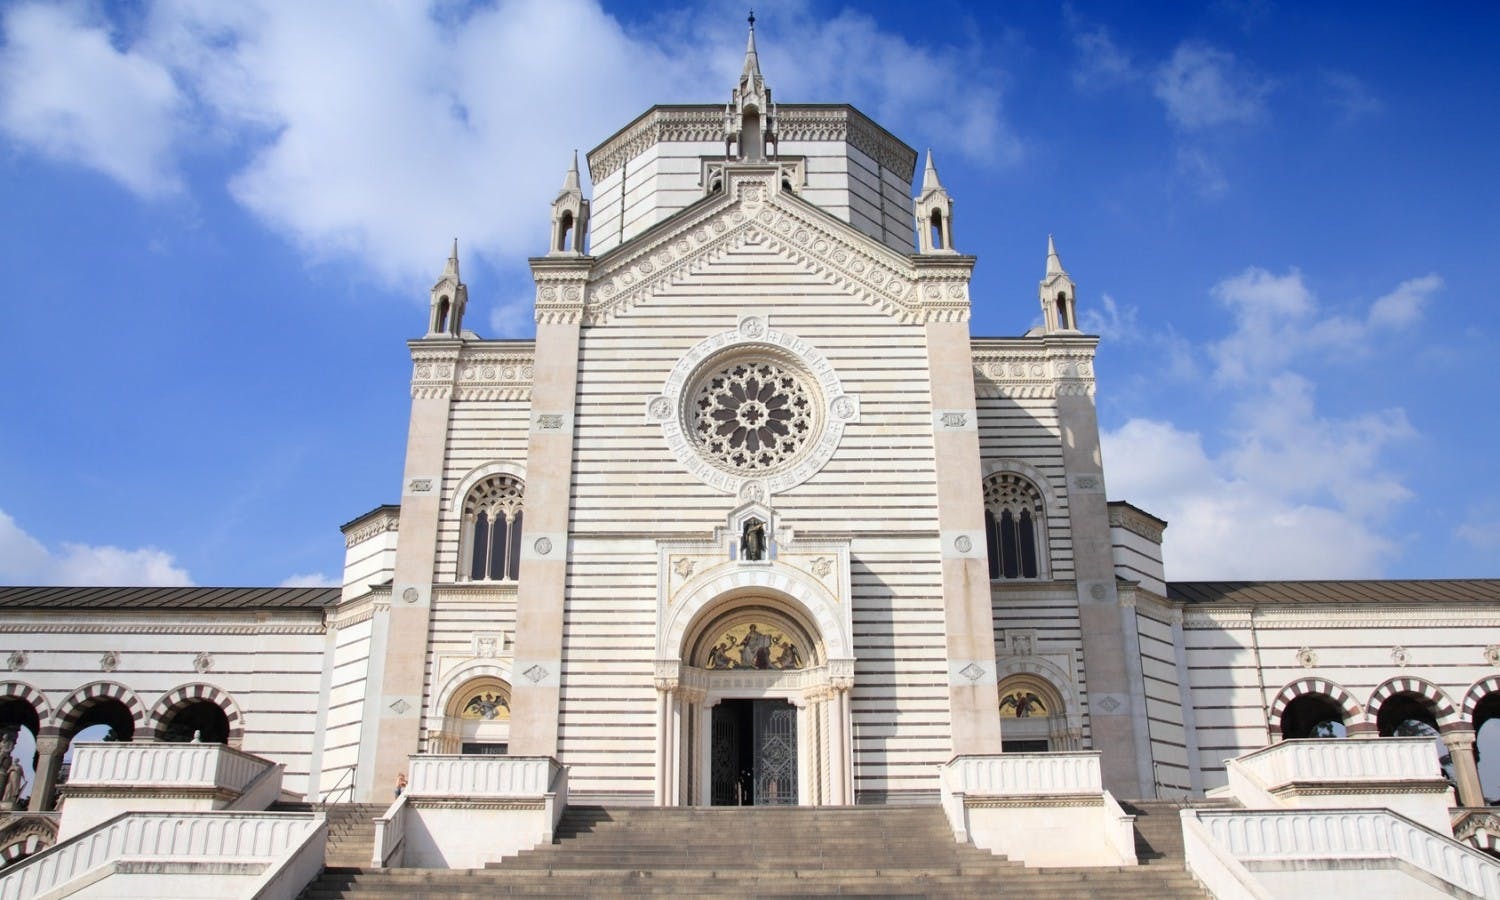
{"x":535,"y":673}
{"x":972,"y":671}
{"x":400,"y":706}
{"x":1109,"y":704}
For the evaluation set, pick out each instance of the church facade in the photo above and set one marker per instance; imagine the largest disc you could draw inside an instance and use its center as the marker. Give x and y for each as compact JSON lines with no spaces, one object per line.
{"x":754,"y":519}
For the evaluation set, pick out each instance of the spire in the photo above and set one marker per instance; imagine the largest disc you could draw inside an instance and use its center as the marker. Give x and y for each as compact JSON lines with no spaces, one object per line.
{"x":449,"y":297}
{"x":930,"y":176}
{"x":451,"y":270}
{"x":1054,"y":263}
{"x":1058,"y":294}
{"x":570,"y":180}
{"x":752,"y":60}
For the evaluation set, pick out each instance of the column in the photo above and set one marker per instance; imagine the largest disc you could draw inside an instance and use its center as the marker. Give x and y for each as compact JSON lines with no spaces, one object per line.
{"x":1460,"y":744}
{"x":393,"y":702}
{"x":536,"y":693}
{"x":662,"y":718}
{"x":1111,"y":657}
{"x":50,"y":747}
{"x":968,"y":616}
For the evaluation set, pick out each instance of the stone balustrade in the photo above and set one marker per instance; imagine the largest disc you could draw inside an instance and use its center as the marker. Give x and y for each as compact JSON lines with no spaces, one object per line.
{"x":1344,"y":760}
{"x":478,"y":777}
{"x":1281,"y":837}
{"x":1025,"y":774}
{"x":181,"y":839}
{"x":136,"y":765}
{"x":390,"y":835}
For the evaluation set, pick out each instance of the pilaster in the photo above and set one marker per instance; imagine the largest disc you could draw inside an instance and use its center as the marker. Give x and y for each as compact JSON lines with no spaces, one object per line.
{"x":536,"y":691}
{"x":1111,"y":650}
{"x":397,"y":731}
{"x":974,"y":704}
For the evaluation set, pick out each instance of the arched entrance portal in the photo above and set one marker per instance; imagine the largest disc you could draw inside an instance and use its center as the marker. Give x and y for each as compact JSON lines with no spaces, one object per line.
{"x":755,"y":708}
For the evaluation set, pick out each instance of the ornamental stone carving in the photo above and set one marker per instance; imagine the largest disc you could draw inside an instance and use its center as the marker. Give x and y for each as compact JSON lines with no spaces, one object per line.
{"x":751,"y":413}
{"x":17,"y":660}
{"x":203,"y":662}
{"x":1307,"y":658}
{"x":110,"y":661}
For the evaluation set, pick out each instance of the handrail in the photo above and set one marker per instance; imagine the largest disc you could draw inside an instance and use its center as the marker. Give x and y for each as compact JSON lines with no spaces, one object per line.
{"x":347,"y":790}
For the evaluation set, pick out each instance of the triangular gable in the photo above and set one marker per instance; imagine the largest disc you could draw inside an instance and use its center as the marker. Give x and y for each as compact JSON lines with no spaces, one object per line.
{"x":753,"y":210}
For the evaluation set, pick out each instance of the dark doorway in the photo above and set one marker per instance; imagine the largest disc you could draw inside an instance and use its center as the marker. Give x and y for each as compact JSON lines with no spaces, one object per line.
{"x":754,"y":753}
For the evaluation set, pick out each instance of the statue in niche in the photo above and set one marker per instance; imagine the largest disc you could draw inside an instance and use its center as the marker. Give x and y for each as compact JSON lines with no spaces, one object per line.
{"x":753,"y":540}
{"x":8,"y":742}
{"x":11,"y":794}
{"x":1024,"y":703}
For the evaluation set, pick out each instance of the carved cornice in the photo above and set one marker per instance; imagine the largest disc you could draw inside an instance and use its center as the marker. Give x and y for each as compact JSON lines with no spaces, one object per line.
{"x":561,"y":288}
{"x":383,"y":521}
{"x":943,"y":287}
{"x":1136,"y":521}
{"x":470,"y":803}
{"x":434,"y":363}
{"x":490,"y":372}
{"x":1371,"y":616}
{"x":705,"y":124}
{"x":753,"y":212}
{"x":1034,"y":801}
{"x":140,"y":627}
{"x":1033,"y":368}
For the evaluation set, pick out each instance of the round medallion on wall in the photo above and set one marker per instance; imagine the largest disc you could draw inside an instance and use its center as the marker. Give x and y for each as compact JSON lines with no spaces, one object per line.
{"x":753,"y":411}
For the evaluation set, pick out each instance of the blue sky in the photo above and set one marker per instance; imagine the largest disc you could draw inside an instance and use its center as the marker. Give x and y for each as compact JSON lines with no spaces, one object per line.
{"x":220,"y":222}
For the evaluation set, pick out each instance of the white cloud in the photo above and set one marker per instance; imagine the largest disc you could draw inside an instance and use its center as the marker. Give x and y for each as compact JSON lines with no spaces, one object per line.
{"x":377,"y":132}
{"x":66,"y":92}
{"x":1278,"y":318}
{"x":1290,"y":492}
{"x":1229,"y":519}
{"x":1404,"y":305}
{"x":25,"y":560}
{"x":311,"y":579}
{"x":1204,"y":87}
{"x":513,"y":319}
{"x":1100,"y":62}
{"x":1349,"y":95}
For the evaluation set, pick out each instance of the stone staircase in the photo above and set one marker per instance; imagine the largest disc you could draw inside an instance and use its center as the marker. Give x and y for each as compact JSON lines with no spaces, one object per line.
{"x":791,"y":851}
{"x":351,"y":830}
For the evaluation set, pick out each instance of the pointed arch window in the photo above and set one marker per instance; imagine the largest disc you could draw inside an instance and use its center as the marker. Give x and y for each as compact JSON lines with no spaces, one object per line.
{"x":492,"y":530}
{"x":1015,"y":527}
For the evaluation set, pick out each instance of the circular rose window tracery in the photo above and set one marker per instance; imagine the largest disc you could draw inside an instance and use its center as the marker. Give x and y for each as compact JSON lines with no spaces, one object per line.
{"x":752,"y":416}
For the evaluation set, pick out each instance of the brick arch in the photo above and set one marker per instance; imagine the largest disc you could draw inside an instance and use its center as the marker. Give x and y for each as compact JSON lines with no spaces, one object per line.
{"x":179,"y":697}
{"x":1442,"y":708}
{"x":1304,"y":687}
{"x":20,"y":690}
{"x":77,"y":703}
{"x":1478,"y":692}
{"x":26,"y":837}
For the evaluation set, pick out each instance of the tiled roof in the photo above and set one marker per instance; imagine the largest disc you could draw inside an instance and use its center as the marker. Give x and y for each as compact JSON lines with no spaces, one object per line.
{"x":195,"y":598}
{"x":1478,"y":590}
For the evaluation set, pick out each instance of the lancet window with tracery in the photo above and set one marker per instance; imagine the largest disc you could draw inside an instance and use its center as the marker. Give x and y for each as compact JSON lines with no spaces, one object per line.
{"x":1014,"y":526}
{"x":492,"y":529}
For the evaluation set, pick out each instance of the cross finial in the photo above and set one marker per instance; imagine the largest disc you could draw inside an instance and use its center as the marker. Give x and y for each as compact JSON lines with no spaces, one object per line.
{"x":752,"y":18}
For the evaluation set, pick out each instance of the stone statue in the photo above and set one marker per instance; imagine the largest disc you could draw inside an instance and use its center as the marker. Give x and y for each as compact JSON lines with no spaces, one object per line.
{"x":11,"y":795}
{"x":8,"y":741}
{"x":753,"y":540}
{"x":197,"y":737}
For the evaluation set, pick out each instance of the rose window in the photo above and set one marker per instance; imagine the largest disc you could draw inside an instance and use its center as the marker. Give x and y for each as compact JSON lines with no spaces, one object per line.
{"x":752,"y":416}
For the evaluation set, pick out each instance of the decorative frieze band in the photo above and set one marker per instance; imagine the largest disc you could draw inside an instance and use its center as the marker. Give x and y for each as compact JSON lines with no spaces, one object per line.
{"x":703,"y":124}
{"x":1032,"y":372}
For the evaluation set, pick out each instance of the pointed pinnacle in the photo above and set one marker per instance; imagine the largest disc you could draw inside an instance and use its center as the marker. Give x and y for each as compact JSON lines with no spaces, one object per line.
{"x":1054,"y":263}
{"x":570,"y":180}
{"x":930,"y":176}
{"x":452,"y":267}
{"x":752,"y":59}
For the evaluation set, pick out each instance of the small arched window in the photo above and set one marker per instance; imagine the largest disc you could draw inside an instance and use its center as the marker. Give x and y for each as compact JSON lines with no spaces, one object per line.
{"x":492,"y":529}
{"x":937,"y":229}
{"x":1015,"y":527}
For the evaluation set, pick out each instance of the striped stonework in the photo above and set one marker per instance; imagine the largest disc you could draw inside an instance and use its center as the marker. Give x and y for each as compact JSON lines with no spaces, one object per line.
{"x":1441,"y":706}
{"x":24,"y":692}
{"x":77,"y":703}
{"x":1317,"y":686}
{"x":179,"y":697}
{"x":1481,"y":689}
